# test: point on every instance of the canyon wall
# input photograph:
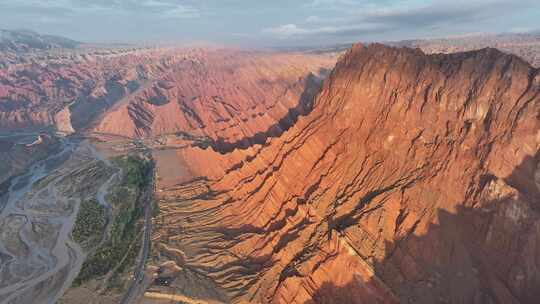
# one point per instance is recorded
(223, 96)
(54, 93)
(217, 95)
(414, 179)
(402, 178)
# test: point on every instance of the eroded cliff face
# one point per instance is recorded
(69, 93)
(223, 97)
(18, 152)
(415, 179)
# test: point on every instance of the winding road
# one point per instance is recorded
(138, 275)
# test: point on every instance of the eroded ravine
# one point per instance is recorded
(411, 174)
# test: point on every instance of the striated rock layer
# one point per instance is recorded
(67, 94)
(222, 96)
(524, 45)
(415, 179)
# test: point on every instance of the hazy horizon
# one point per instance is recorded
(277, 23)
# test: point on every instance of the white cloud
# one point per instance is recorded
(286, 31)
(314, 19)
(151, 8)
(370, 19)
(155, 3)
(181, 11)
(293, 30)
(51, 20)
(332, 3)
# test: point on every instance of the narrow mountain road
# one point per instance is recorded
(139, 273)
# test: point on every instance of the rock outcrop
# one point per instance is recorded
(402, 178)
(22, 41)
(524, 45)
(218, 95)
(227, 98)
(33, 94)
(414, 179)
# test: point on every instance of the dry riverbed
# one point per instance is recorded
(38, 258)
(111, 236)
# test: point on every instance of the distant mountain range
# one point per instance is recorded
(401, 177)
(22, 41)
(524, 45)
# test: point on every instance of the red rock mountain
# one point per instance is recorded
(68, 93)
(224, 95)
(217, 94)
(402, 178)
(414, 179)
(524, 45)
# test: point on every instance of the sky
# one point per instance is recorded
(267, 22)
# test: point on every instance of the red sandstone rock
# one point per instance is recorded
(413, 180)
(226, 95)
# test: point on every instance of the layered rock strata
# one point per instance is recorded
(414, 179)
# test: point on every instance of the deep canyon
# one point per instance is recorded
(380, 174)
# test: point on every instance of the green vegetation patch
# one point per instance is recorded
(127, 202)
(89, 225)
(137, 171)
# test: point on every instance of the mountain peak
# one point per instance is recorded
(23, 40)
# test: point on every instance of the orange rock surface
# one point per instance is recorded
(218, 94)
(402, 178)
(221, 95)
(415, 179)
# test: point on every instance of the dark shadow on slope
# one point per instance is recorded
(523, 179)
(354, 292)
(86, 108)
(312, 87)
(485, 254)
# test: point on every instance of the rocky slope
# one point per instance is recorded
(524, 45)
(224, 96)
(56, 92)
(24, 46)
(218, 94)
(21, 41)
(414, 179)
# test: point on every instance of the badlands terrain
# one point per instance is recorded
(524, 45)
(376, 174)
